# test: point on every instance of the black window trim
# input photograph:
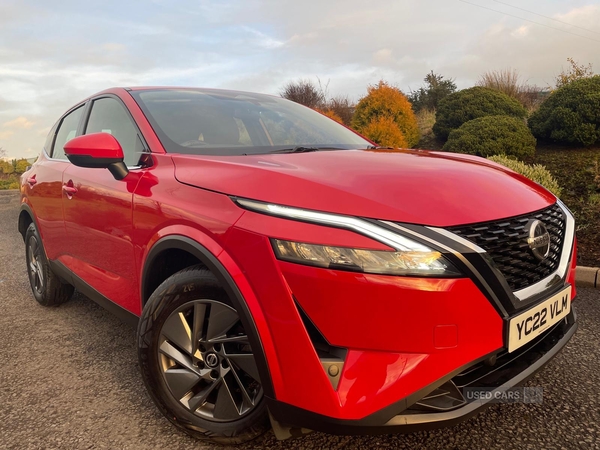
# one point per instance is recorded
(58, 124)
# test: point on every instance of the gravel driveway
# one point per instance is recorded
(69, 379)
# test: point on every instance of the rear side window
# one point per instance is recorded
(49, 139)
(109, 116)
(66, 131)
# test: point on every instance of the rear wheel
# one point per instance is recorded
(197, 362)
(48, 289)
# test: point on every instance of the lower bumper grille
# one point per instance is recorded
(449, 396)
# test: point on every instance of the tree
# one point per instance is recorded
(304, 92)
(342, 107)
(331, 114)
(575, 72)
(381, 101)
(21, 165)
(2, 152)
(7, 167)
(435, 89)
(385, 132)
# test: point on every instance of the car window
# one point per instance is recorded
(214, 122)
(50, 139)
(66, 131)
(109, 116)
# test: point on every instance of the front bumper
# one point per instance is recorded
(508, 371)
(401, 338)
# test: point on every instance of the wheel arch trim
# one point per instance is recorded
(27, 209)
(238, 289)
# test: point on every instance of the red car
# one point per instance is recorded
(283, 270)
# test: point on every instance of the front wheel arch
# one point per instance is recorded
(206, 258)
(26, 218)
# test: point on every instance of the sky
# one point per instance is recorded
(56, 53)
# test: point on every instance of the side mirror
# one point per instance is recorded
(97, 151)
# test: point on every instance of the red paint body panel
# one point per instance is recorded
(98, 145)
(370, 309)
(101, 212)
(401, 333)
(428, 188)
(45, 200)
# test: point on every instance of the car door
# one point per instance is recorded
(98, 210)
(44, 183)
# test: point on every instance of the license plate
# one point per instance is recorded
(533, 322)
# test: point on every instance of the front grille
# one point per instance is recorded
(506, 242)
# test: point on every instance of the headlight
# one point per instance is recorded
(409, 258)
(418, 262)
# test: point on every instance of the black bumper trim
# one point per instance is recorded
(407, 423)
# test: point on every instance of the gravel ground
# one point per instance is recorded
(69, 380)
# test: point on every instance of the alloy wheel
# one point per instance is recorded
(36, 272)
(207, 362)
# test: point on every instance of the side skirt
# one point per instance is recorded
(63, 272)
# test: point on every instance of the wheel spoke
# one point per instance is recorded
(180, 381)
(180, 358)
(248, 402)
(177, 330)
(198, 400)
(242, 339)
(225, 406)
(190, 338)
(245, 362)
(40, 273)
(198, 325)
(221, 319)
(33, 245)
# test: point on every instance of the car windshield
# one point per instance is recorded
(215, 122)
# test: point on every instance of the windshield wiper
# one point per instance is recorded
(304, 149)
(373, 147)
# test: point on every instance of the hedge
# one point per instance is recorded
(473, 103)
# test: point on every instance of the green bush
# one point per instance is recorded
(383, 100)
(493, 135)
(473, 103)
(535, 172)
(571, 114)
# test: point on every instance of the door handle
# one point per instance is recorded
(69, 190)
(31, 180)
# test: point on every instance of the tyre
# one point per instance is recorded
(48, 289)
(196, 360)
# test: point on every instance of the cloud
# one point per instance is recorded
(55, 55)
(19, 122)
(538, 53)
(6, 134)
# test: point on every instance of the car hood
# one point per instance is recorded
(411, 186)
